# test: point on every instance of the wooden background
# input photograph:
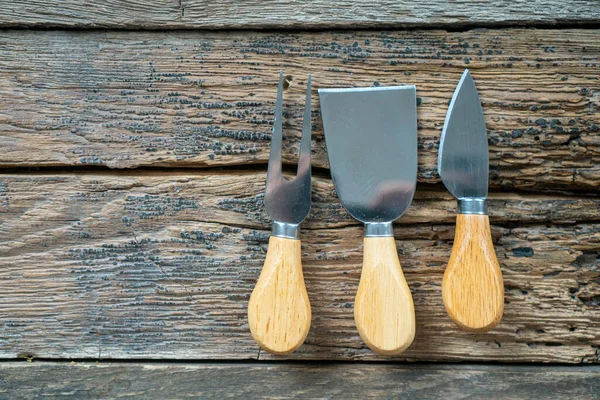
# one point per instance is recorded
(134, 137)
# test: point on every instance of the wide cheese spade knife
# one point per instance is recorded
(472, 287)
(371, 137)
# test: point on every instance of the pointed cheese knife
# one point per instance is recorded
(472, 288)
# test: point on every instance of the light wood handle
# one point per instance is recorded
(472, 289)
(384, 311)
(279, 311)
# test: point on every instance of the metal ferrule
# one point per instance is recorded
(379, 229)
(285, 230)
(472, 206)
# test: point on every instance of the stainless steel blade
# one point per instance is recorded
(463, 159)
(371, 137)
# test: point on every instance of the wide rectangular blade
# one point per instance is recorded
(371, 137)
(463, 159)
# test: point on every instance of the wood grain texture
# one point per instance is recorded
(279, 310)
(161, 265)
(186, 14)
(197, 99)
(383, 310)
(472, 288)
(286, 381)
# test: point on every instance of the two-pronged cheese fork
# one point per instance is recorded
(279, 310)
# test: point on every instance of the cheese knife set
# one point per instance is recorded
(371, 139)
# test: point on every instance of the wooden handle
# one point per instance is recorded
(384, 311)
(472, 288)
(279, 311)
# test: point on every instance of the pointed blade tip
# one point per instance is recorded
(465, 77)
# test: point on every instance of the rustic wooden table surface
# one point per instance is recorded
(134, 137)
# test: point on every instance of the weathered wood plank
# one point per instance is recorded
(320, 14)
(138, 265)
(292, 381)
(128, 99)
